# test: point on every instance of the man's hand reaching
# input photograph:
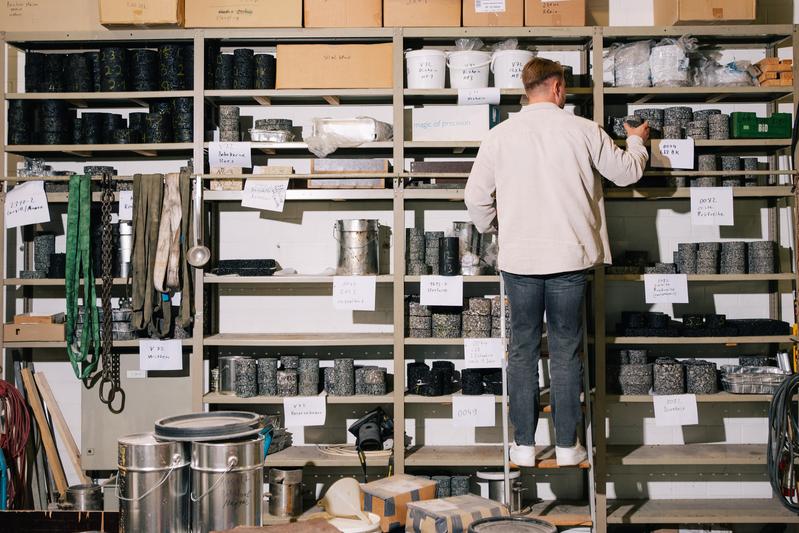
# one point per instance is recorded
(641, 131)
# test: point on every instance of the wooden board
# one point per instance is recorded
(73, 452)
(688, 454)
(699, 511)
(562, 514)
(44, 429)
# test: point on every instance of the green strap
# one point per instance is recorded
(79, 264)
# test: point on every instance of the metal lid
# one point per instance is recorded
(511, 524)
(143, 452)
(498, 476)
(214, 426)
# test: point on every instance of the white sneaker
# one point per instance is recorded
(571, 456)
(522, 455)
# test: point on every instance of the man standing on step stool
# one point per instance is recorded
(534, 177)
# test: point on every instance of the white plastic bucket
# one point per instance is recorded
(468, 69)
(507, 66)
(426, 68)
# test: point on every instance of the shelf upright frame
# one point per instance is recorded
(4, 49)
(196, 366)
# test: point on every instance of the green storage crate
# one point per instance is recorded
(751, 126)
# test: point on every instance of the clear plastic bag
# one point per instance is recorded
(609, 65)
(507, 44)
(708, 72)
(468, 44)
(669, 62)
(631, 65)
(331, 134)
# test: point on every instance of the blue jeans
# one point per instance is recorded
(561, 296)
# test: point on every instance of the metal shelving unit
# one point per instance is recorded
(596, 511)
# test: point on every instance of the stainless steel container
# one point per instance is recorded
(227, 481)
(227, 373)
(469, 238)
(85, 497)
(358, 247)
(153, 485)
(285, 487)
(496, 488)
(125, 250)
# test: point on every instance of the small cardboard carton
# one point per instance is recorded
(493, 12)
(554, 13)
(238, 14)
(672, 12)
(33, 332)
(334, 66)
(421, 13)
(389, 497)
(141, 12)
(50, 15)
(343, 13)
(453, 515)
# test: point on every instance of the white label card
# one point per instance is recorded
(712, 206)
(488, 95)
(666, 288)
(489, 6)
(305, 411)
(441, 290)
(229, 154)
(483, 353)
(676, 410)
(673, 153)
(26, 204)
(474, 411)
(354, 293)
(269, 195)
(160, 355)
(136, 374)
(125, 205)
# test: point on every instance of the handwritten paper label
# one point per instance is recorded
(666, 288)
(488, 95)
(489, 6)
(136, 374)
(26, 204)
(269, 195)
(160, 355)
(441, 290)
(474, 411)
(125, 205)
(177, 298)
(673, 153)
(676, 410)
(711, 206)
(483, 353)
(229, 154)
(304, 411)
(354, 293)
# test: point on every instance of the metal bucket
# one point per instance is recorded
(511, 524)
(85, 497)
(285, 498)
(358, 247)
(153, 485)
(496, 488)
(469, 238)
(227, 481)
(227, 373)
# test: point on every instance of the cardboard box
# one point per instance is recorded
(554, 12)
(33, 332)
(343, 13)
(453, 515)
(389, 497)
(452, 123)
(427, 13)
(348, 166)
(141, 12)
(671, 12)
(334, 66)
(493, 12)
(50, 15)
(30, 318)
(238, 14)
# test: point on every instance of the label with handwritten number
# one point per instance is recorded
(125, 205)
(487, 95)
(483, 353)
(160, 355)
(304, 411)
(269, 195)
(230, 154)
(26, 204)
(673, 153)
(474, 411)
(675, 410)
(666, 288)
(712, 206)
(354, 293)
(441, 290)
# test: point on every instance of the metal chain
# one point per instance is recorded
(110, 360)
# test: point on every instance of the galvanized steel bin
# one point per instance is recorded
(358, 247)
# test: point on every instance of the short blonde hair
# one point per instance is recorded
(538, 70)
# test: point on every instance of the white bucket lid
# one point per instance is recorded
(422, 52)
(498, 476)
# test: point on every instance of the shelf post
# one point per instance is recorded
(196, 367)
